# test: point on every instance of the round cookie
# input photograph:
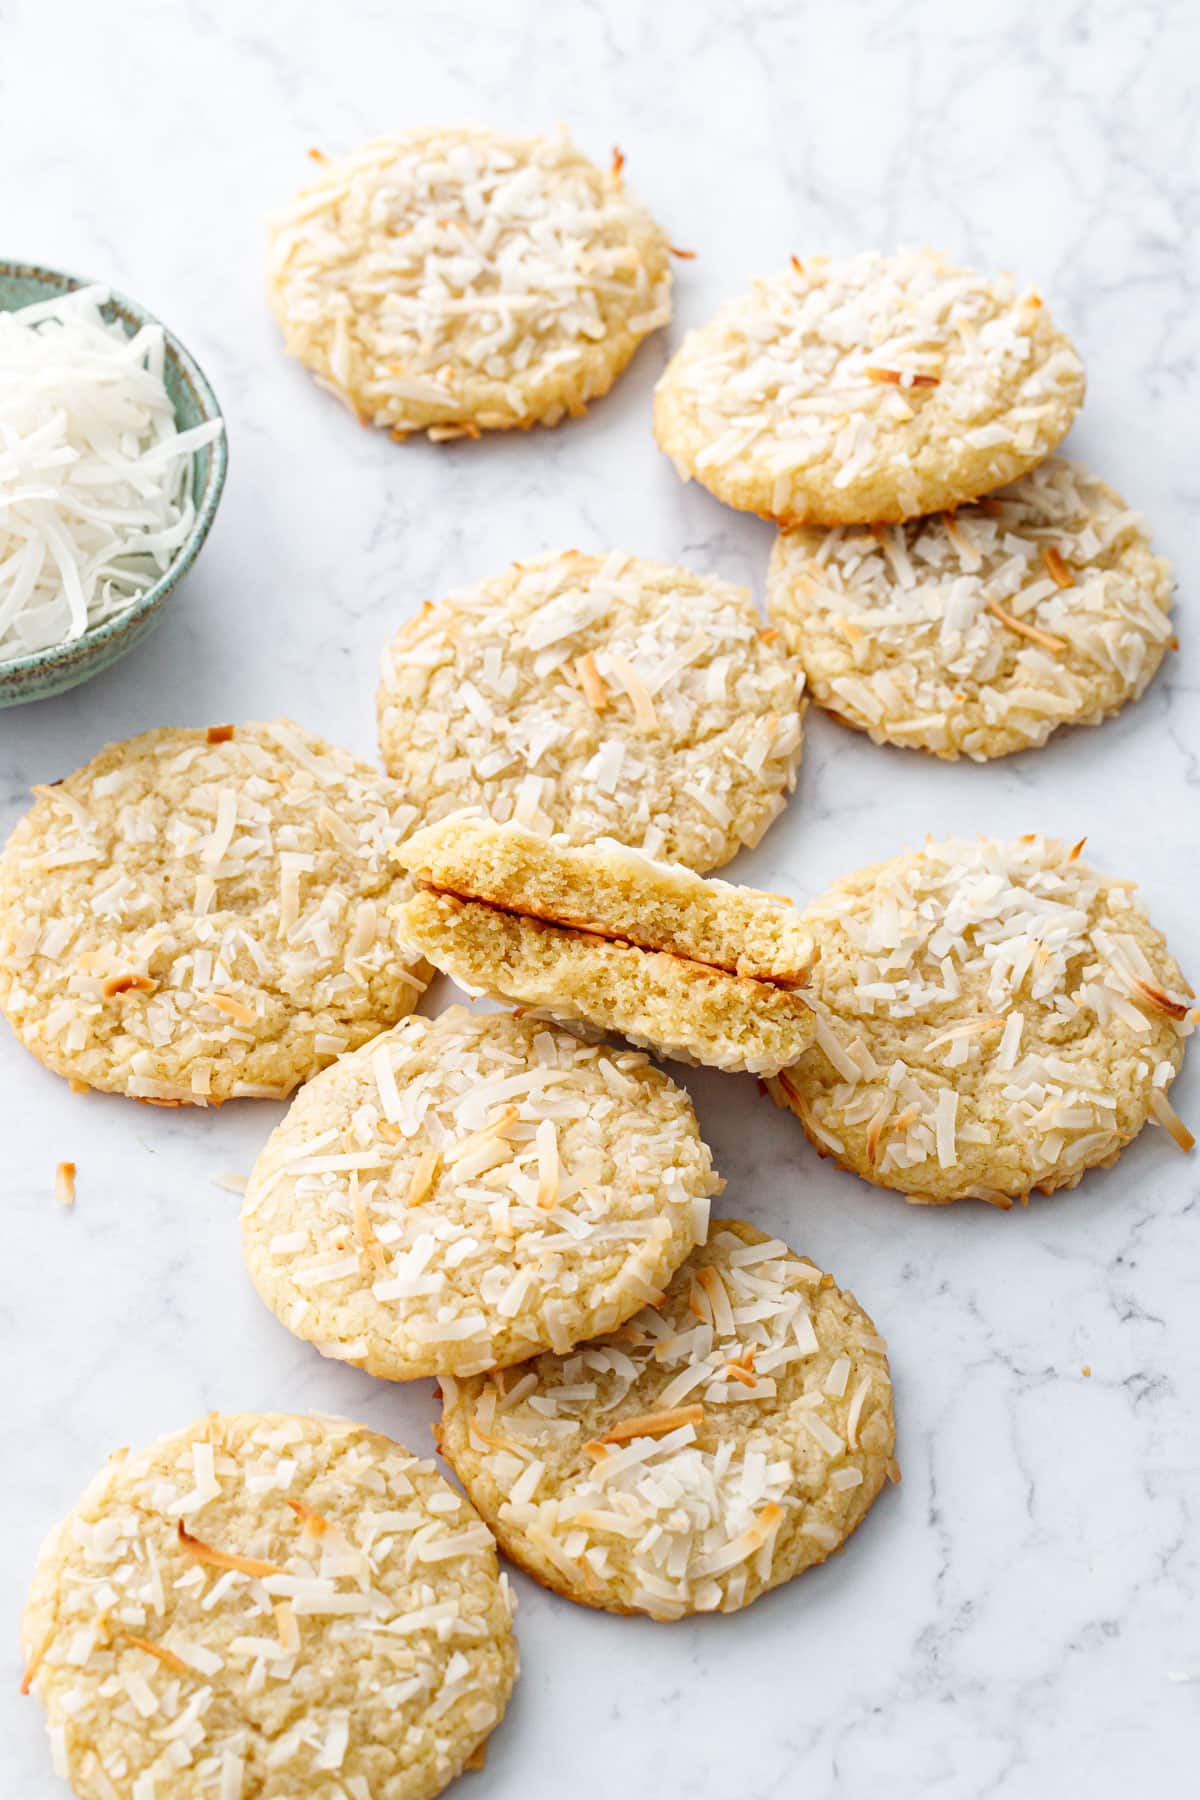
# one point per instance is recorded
(597, 697)
(268, 1604)
(718, 1445)
(876, 388)
(980, 632)
(470, 1189)
(199, 916)
(991, 1018)
(459, 281)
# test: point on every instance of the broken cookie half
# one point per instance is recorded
(603, 936)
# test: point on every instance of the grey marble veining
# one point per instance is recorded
(1008, 1620)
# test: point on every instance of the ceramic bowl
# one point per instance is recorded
(62, 666)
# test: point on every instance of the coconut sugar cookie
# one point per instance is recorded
(876, 388)
(458, 281)
(992, 1018)
(201, 915)
(603, 937)
(713, 1448)
(980, 632)
(471, 1189)
(268, 1604)
(597, 696)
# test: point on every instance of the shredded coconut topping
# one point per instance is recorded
(951, 632)
(456, 280)
(469, 1190)
(266, 1652)
(597, 696)
(144, 944)
(685, 1462)
(986, 1024)
(95, 476)
(877, 387)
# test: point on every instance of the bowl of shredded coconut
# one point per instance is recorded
(112, 461)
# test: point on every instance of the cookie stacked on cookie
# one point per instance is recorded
(655, 1413)
(942, 585)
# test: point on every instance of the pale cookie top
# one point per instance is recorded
(454, 281)
(597, 696)
(713, 1448)
(991, 1018)
(268, 1604)
(980, 632)
(199, 916)
(875, 388)
(468, 1190)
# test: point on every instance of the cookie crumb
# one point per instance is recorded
(64, 1184)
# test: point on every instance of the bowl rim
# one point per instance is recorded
(63, 655)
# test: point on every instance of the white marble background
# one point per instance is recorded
(1009, 1620)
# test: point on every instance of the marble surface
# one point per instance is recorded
(1012, 1620)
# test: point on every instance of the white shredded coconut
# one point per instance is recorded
(95, 476)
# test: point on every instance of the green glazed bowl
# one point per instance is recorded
(63, 666)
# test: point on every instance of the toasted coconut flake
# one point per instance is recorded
(232, 1008)
(35, 1662)
(742, 1369)
(314, 1522)
(123, 984)
(500, 1126)
(371, 1247)
(594, 690)
(223, 1559)
(901, 378)
(477, 1759)
(64, 1184)
(219, 734)
(168, 1657)
(766, 1523)
(683, 255)
(1076, 850)
(423, 1177)
(644, 715)
(1170, 1120)
(1159, 1001)
(718, 1298)
(1056, 568)
(546, 1141)
(879, 1119)
(652, 1424)
(618, 162)
(969, 556)
(1034, 632)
